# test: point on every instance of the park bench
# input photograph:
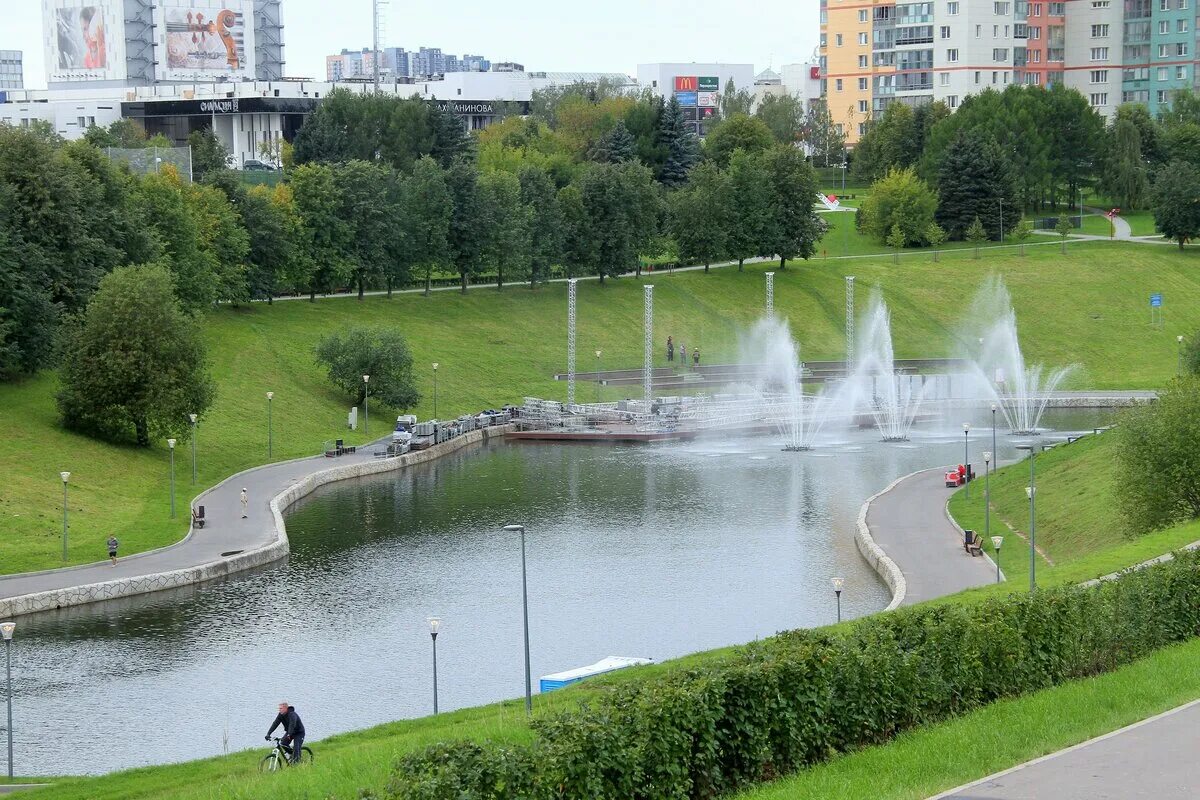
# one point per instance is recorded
(198, 517)
(971, 543)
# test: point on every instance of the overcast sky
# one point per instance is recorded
(601, 36)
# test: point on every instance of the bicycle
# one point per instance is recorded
(281, 756)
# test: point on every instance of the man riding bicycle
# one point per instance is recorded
(293, 729)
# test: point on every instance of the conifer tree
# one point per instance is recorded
(975, 182)
(681, 145)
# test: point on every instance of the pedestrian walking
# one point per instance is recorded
(683, 354)
(670, 349)
(112, 549)
(696, 358)
(245, 502)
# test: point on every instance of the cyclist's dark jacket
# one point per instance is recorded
(291, 723)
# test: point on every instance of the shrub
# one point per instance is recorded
(1158, 472)
(382, 354)
(899, 199)
(797, 698)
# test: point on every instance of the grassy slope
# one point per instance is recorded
(495, 347)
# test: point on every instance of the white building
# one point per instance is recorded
(697, 87)
(12, 75)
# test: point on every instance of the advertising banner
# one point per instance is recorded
(709, 84)
(206, 39)
(85, 41)
(707, 112)
(707, 99)
(686, 98)
(689, 114)
(686, 83)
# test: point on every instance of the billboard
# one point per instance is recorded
(686, 98)
(689, 114)
(84, 40)
(686, 83)
(205, 39)
(707, 112)
(708, 84)
(707, 99)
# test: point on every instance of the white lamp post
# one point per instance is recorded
(65, 477)
(6, 630)
(1179, 357)
(171, 447)
(366, 405)
(994, 450)
(270, 437)
(599, 368)
(435, 366)
(525, 608)
(987, 492)
(435, 624)
(838, 583)
(996, 542)
(193, 418)
(967, 459)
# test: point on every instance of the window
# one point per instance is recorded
(1037, 9)
(1099, 98)
(1005, 31)
(841, 129)
(1163, 95)
(1099, 31)
(1001, 9)
(995, 31)
(824, 43)
(1099, 76)
(952, 101)
(1180, 75)
(1164, 51)
(1181, 26)
(945, 31)
(1006, 74)
(862, 129)
(1099, 3)
(862, 62)
(862, 84)
(838, 84)
(1164, 5)
(1000, 55)
(91, 122)
(1161, 73)
(977, 78)
(1035, 32)
(837, 40)
(81, 122)
(952, 9)
(995, 77)
(1099, 54)
(1037, 56)
(1181, 49)
(862, 106)
(1183, 4)
(978, 31)
(952, 55)
(862, 37)
(1057, 9)
(1164, 26)
(862, 15)
(945, 78)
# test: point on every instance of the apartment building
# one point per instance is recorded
(1111, 51)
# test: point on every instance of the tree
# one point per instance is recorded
(936, 236)
(1191, 354)
(679, 143)
(381, 353)
(545, 222)
(273, 231)
(506, 230)
(166, 211)
(467, 221)
(900, 199)
(783, 115)
(976, 235)
(734, 101)
(427, 214)
(794, 229)
(615, 146)
(748, 207)
(222, 240)
(975, 182)
(1124, 177)
(28, 317)
(895, 240)
(1177, 202)
(369, 212)
(325, 236)
(576, 241)
(893, 141)
(1182, 142)
(737, 132)
(822, 137)
(451, 141)
(208, 154)
(1022, 232)
(1064, 229)
(615, 220)
(136, 362)
(124, 133)
(700, 215)
(1157, 475)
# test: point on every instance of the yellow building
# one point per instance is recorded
(850, 68)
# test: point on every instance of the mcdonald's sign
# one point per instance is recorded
(686, 83)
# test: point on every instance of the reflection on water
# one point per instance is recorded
(649, 551)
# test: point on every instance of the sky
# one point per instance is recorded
(608, 36)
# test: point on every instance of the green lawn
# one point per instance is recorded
(496, 347)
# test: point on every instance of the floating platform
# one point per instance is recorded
(607, 435)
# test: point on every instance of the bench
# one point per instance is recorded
(198, 517)
(971, 543)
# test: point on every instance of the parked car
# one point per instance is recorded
(254, 165)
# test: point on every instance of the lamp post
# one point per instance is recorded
(838, 583)
(1179, 356)
(525, 611)
(1001, 220)
(6, 630)
(435, 365)
(987, 492)
(171, 447)
(994, 428)
(65, 477)
(270, 437)
(366, 405)
(599, 368)
(1031, 493)
(967, 460)
(193, 418)
(435, 624)
(996, 542)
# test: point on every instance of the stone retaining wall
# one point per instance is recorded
(880, 561)
(144, 584)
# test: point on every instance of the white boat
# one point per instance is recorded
(557, 680)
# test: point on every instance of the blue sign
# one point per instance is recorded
(1156, 300)
(687, 98)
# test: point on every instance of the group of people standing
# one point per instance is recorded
(683, 353)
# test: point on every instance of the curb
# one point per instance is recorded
(874, 555)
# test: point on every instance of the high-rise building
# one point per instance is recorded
(12, 75)
(1111, 51)
(398, 62)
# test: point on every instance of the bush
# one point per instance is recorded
(1158, 473)
(799, 697)
(382, 354)
(899, 199)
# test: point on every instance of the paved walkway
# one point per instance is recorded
(1154, 759)
(909, 522)
(225, 532)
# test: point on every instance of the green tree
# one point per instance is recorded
(1182, 142)
(1064, 229)
(369, 212)
(700, 215)
(1124, 177)
(794, 228)
(576, 239)
(899, 199)
(1177, 202)
(738, 132)
(1022, 232)
(136, 363)
(749, 207)
(680, 145)
(619, 217)
(427, 214)
(506, 230)
(976, 235)
(124, 133)
(976, 182)
(783, 115)
(173, 220)
(273, 232)
(382, 353)
(614, 147)
(734, 101)
(545, 222)
(468, 223)
(643, 121)
(28, 317)
(936, 236)
(208, 154)
(891, 142)
(895, 240)
(821, 136)
(325, 236)
(1157, 475)
(223, 241)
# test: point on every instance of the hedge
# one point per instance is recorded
(803, 696)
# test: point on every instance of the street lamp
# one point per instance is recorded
(996, 542)
(599, 368)
(366, 406)
(967, 460)
(193, 418)
(435, 365)
(171, 447)
(838, 583)
(270, 437)
(994, 427)
(1031, 493)
(525, 609)
(6, 630)
(987, 492)
(65, 477)
(1179, 356)
(435, 624)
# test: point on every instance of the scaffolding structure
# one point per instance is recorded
(648, 365)
(770, 294)
(849, 324)
(571, 342)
